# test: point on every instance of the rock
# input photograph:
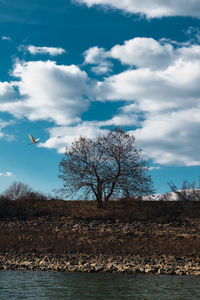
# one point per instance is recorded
(161, 271)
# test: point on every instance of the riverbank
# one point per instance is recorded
(89, 263)
(68, 245)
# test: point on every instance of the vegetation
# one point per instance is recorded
(35, 224)
(187, 191)
(125, 210)
(19, 201)
(60, 237)
(109, 166)
(111, 169)
(17, 190)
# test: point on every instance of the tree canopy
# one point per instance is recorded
(105, 167)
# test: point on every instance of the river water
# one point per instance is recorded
(83, 286)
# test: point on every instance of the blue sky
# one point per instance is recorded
(71, 68)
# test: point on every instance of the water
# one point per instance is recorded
(82, 286)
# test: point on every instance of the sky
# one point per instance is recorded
(81, 67)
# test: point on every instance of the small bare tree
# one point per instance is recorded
(17, 190)
(187, 192)
(105, 167)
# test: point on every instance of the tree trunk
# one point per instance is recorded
(99, 201)
(99, 194)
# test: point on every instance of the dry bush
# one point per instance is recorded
(17, 190)
(187, 192)
(33, 196)
(156, 211)
(26, 206)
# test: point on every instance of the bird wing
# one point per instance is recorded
(31, 138)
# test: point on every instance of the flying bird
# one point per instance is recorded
(33, 141)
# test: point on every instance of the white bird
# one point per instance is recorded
(33, 141)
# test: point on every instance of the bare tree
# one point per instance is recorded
(17, 190)
(187, 192)
(105, 167)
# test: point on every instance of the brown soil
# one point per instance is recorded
(62, 236)
(71, 231)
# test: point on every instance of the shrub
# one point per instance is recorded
(17, 190)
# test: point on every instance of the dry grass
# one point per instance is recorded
(50, 236)
(38, 205)
(37, 225)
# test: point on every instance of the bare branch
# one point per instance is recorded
(107, 166)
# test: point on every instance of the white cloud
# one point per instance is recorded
(48, 91)
(193, 33)
(7, 91)
(60, 137)
(6, 38)
(160, 87)
(162, 82)
(164, 100)
(172, 138)
(98, 57)
(120, 120)
(154, 168)
(4, 124)
(7, 174)
(163, 92)
(143, 52)
(52, 51)
(127, 116)
(153, 8)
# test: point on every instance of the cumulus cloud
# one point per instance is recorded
(164, 98)
(52, 51)
(162, 80)
(127, 116)
(160, 89)
(98, 57)
(60, 137)
(143, 52)
(171, 138)
(151, 9)
(48, 91)
(7, 91)
(177, 86)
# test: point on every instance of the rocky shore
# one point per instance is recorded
(89, 263)
(65, 245)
